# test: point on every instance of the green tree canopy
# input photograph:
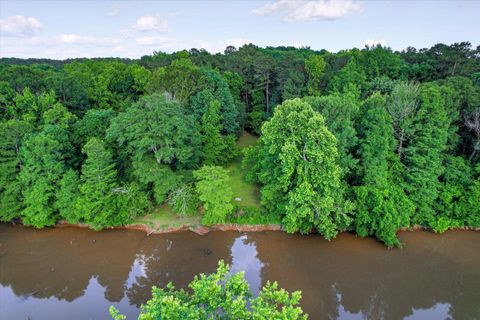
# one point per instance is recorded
(402, 105)
(11, 133)
(215, 193)
(220, 295)
(315, 66)
(213, 145)
(299, 170)
(340, 112)
(180, 80)
(382, 206)
(96, 203)
(425, 153)
(158, 126)
(66, 197)
(43, 158)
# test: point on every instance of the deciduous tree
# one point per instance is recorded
(314, 65)
(401, 105)
(215, 193)
(299, 170)
(220, 295)
(158, 126)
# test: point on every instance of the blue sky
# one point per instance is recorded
(62, 29)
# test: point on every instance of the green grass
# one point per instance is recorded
(162, 217)
(248, 193)
(246, 140)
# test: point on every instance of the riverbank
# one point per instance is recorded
(202, 229)
(198, 229)
(163, 220)
(422, 228)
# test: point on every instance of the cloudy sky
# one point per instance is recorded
(62, 29)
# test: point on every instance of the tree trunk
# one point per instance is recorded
(267, 91)
(400, 143)
(245, 98)
(454, 67)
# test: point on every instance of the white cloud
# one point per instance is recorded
(219, 46)
(162, 42)
(82, 40)
(20, 26)
(151, 23)
(374, 42)
(69, 46)
(305, 10)
(71, 40)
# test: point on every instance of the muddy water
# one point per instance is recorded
(73, 273)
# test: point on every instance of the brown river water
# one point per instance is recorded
(74, 273)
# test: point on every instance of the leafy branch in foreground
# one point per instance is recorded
(220, 295)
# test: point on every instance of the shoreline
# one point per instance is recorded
(198, 229)
(202, 230)
(417, 227)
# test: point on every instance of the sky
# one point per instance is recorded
(67, 29)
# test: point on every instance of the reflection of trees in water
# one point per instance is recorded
(346, 275)
(373, 281)
(60, 262)
(178, 258)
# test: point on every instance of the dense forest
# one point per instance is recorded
(371, 141)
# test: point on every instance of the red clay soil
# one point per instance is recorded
(417, 227)
(201, 230)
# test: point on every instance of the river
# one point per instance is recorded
(74, 273)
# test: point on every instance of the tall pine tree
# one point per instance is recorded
(11, 133)
(425, 153)
(382, 206)
(212, 141)
(96, 203)
(67, 196)
(43, 157)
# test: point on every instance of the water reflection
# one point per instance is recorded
(438, 311)
(77, 274)
(244, 258)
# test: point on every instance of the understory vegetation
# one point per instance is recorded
(370, 141)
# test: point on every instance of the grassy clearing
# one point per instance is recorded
(248, 193)
(246, 140)
(162, 217)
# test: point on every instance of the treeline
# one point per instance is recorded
(367, 140)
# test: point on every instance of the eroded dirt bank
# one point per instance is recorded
(197, 229)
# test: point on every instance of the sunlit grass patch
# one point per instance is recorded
(163, 217)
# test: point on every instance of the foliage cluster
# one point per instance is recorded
(366, 140)
(219, 295)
